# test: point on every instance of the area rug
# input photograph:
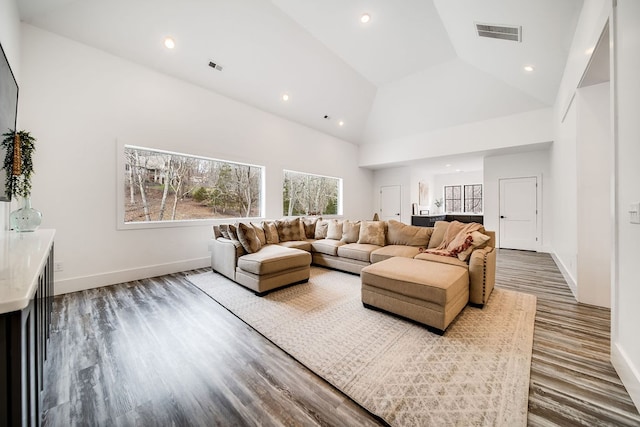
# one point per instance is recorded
(476, 374)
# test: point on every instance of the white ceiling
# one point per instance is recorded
(417, 65)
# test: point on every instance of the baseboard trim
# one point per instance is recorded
(93, 281)
(565, 273)
(627, 372)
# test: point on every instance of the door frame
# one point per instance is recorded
(539, 208)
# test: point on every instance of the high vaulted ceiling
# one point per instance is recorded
(418, 65)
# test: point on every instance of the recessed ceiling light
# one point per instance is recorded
(365, 18)
(285, 97)
(169, 43)
(458, 170)
(341, 123)
(528, 68)
(448, 165)
(589, 51)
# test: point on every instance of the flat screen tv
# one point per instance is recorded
(8, 109)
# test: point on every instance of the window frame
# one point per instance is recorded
(481, 198)
(121, 197)
(339, 201)
(452, 199)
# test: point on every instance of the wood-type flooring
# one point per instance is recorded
(160, 352)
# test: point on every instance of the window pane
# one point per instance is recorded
(163, 186)
(307, 194)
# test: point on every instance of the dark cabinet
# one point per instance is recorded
(24, 335)
(430, 221)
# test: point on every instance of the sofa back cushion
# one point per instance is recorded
(248, 238)
(372, 232)
(439, 229)
(290, 229)
(270, 232)
(334, 231)
(408, 235)
(350, 231)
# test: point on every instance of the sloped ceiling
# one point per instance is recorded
(417, 65)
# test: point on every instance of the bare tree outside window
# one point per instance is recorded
(307, 194)
(165, 186)
(452, 198)
(473, 198)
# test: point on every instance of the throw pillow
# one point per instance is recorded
(289, 230)
(224, 230)
(479, 240)
(321, 230)
(438, 234)
(248, 238)
(260, 233)
(350, 231)
(270, 232)
(233, 232)
(408, 235)
(310, 227)
(372, 233)
(334, 231)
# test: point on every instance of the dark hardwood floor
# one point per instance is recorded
(160, 352)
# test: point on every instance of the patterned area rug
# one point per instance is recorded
(476, 374)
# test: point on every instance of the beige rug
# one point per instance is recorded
(476, 374)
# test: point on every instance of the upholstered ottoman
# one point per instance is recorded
(428, 292)
(273, 267)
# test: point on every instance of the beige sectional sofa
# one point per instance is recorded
(271, 254)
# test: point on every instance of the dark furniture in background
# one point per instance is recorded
(430, 220)
(26, 302)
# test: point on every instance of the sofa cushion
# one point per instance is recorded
(260, 233)
(335, 229)
(393, 251)
(409, 235)
(303, 245)
(327, 246)
(357, 251)
(273, 259)
(309, 225)
(479, 240)
(439, 230)
(290, 229)
(321, 229)
(426, 256)
(233, 232)
(350, 231)
(248, 238)
(372, 233)
(224, 230)
(270, 232)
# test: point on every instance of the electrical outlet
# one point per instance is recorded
(58, 266)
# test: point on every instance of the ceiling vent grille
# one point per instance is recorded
(502, 32)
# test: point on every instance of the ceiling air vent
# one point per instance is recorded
(500, 32)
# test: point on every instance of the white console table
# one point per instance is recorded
(26, 301)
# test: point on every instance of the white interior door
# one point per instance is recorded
(390, 202)
(519, 213)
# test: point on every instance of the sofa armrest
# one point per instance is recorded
(482, 275)
(224, 256)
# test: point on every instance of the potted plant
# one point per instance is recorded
(18, 165)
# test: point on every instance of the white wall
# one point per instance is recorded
(515, 130)
(10, 40)
(78, 100)
(519, 165)
(593, 167)
(625, 316)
